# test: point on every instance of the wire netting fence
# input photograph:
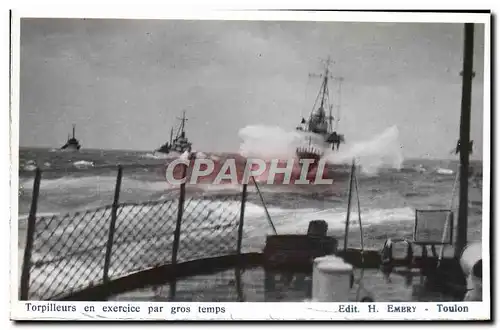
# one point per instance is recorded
(66, 253)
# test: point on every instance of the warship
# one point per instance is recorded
(319, 131)
(72, 144)
(180, 142)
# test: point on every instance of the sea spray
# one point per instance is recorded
(268, 142)
(383, 150)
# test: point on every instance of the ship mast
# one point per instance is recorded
(330, 118)
(74, 131)
(465, 145)
(183, 123)
(325, 84)
(339, 99)
(323, 92)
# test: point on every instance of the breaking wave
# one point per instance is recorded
(381, 151)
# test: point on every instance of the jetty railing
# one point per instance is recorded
(71, 252)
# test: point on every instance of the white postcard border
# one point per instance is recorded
(139, 12)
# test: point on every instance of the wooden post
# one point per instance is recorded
(242, 218)
(30, 235)
(348, 217)
(467, 75)
(112, 224)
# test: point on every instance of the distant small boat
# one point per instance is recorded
(72, 144)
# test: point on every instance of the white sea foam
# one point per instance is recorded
(157, 155)
(101, 182)
(381, 151)
(81, 164)
(297, 221)
(30, 167)
(444, 171)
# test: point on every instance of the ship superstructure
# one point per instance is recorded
(180, 142)
(72, 144)
(320, 130)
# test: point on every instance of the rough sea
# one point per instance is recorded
(388, 197)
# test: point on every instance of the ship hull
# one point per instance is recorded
(171, 151)
(70, 148)
(163, 151)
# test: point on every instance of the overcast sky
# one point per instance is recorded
(122, 82)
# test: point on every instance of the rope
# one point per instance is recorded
(265, 207)
(447, 223)
(349, 199)
(305, 97)
(362, 238)
(359, 217)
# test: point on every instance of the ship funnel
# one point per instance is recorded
(74, 131)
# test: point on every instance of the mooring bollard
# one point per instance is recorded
(471, 262)
(316, 276)
(331, 279)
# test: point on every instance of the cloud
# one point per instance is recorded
(124, 81)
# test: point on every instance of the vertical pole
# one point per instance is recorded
(237, 270)
(180, 211)
(467, 76)
(111, 232)
(238, 283)
(25, 274)
(177, 232)
(265, 207)
(242, 218)
(348, 217)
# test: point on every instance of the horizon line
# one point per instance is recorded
(236, 152)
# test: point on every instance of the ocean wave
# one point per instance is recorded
(336, 218)
(81, 164)
(411, 169)
(30, 167)
(444, 171)
(101, 182)
(288, 219)
(157, 155)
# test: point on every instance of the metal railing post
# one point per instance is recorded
(239, 283)
(237, 270)
(180, 211)
(242, 217)
(177, 232)
(111, 232)
(30, 233)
